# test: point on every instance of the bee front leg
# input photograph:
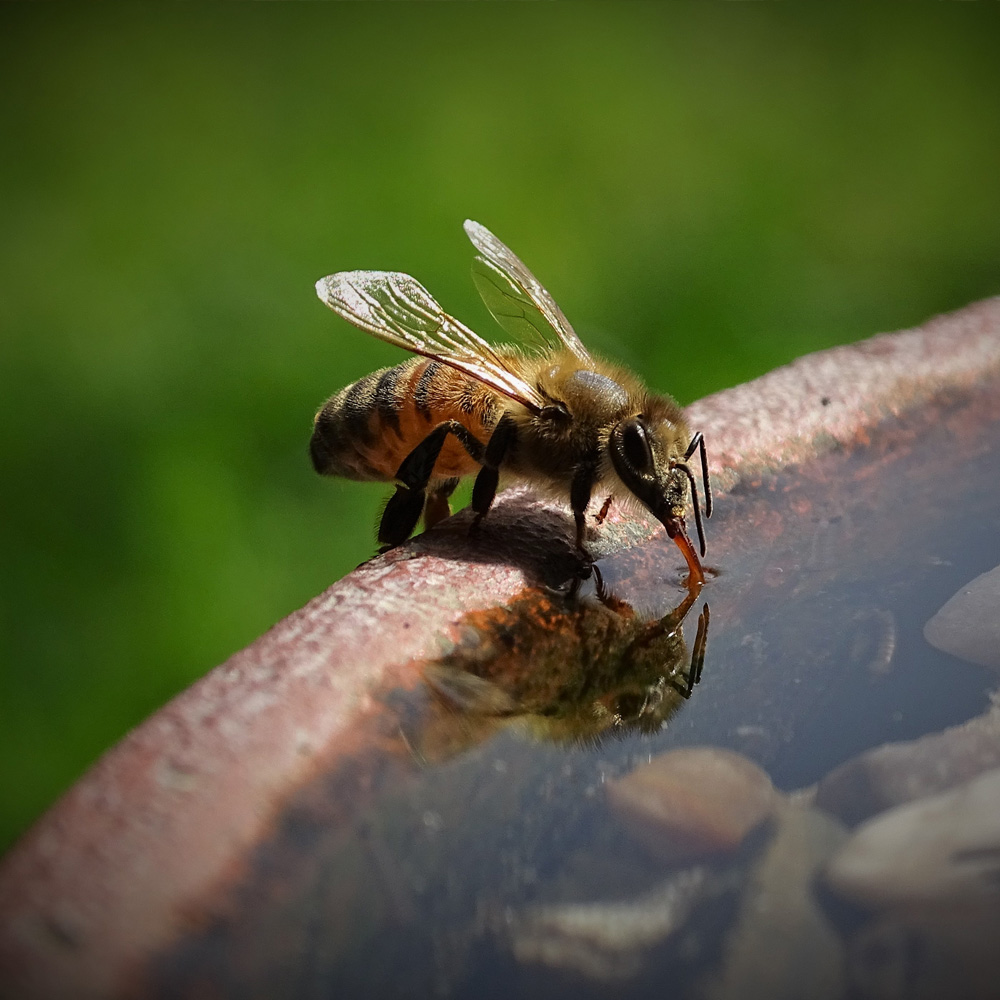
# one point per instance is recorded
(485, 488)
(580, 491)
(405, 506)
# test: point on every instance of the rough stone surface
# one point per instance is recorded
(940, 850)
(693, 802)
(968, 625)
(927, 954)
(783, 947)
(608, 941)
(895, 773)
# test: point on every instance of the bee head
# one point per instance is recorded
(642, 455)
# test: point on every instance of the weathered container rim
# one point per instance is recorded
(112, 873)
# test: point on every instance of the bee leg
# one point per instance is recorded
(404, 508)
(580, 491)
(400, 517)
(437, 507)
(485, 488)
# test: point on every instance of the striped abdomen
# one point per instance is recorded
(368, 428)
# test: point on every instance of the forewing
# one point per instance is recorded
(396, 308)
(515, 297)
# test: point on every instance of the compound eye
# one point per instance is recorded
(635, 444)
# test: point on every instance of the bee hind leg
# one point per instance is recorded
(405, 506)
(400, 517)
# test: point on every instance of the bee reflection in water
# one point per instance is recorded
(565, 671)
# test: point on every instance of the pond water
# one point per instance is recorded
(481, 854)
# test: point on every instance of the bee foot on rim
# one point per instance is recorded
(586, 568)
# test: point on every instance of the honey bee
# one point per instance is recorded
(545, 413)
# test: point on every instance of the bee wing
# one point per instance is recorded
(396, 308)
(515, 296)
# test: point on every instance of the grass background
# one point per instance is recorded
(708, 191)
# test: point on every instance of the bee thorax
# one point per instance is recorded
(584, 388)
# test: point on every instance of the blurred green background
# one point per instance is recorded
(708, 191)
